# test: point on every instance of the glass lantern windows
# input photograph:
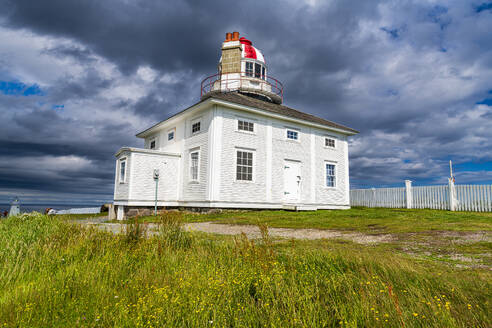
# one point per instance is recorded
(249, 69)
(255, 70)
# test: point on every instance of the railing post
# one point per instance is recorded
(408, 193)
(453, 202)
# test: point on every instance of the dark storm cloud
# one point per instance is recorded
(168, 36)
(166, 98)
(409, 76)
(63, 51)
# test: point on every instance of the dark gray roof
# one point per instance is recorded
(241, 99)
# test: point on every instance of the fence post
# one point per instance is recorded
(453, 202)
(408, 193)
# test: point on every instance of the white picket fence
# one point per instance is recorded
(380, 197)
(435, 197)
(476, 198)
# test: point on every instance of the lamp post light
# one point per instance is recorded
(156, 179)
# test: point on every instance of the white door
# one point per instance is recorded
(292, 181)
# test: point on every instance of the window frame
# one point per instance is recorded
(190, 166)
(153, 140)
(253, 164)
(334, 142)
(251, 71)
(193, 122)
(122, 161)
(173, 132)
(257, 70)
(334, 175)
(297, 134)
(248, 121)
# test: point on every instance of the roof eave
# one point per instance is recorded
(156, 126)
(145, 151)
(212, 100)
(348, 132)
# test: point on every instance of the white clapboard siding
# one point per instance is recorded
(476, 198)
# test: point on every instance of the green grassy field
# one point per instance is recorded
(57, 274)
(81, 216)
(371, 220)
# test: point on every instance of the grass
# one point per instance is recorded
(58, 274)
(370, 220)
(81, 216)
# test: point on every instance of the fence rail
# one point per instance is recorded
(475, 198)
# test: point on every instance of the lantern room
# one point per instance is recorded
(242, 68)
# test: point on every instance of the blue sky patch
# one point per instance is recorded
(393, 33)
(437, 15)
(473, 166)
(486, 101)
(15, 88)
(392, 92)
(484, 6)
(58, 107)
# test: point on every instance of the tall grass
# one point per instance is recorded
(57, 274)
(171, 233)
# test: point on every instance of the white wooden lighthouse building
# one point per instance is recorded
(238, 147)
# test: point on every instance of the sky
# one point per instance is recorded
(78, 80)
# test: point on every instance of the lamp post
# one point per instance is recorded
(156, 179)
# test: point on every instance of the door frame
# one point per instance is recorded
(286, 198)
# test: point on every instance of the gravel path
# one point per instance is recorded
(253, 232)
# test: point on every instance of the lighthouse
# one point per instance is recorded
(238, 147)
(15, 207)
(242, 68)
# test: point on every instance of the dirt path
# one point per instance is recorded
(427, 244)
(253, 232)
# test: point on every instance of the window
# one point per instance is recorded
(152, 144)
(330, 175)
(194, 159)
(257, 70)
(123, 170)
(170, 136)
(293, 135)
(244, 167)
(330, 142)
(245, 126)
(263, 75)
(249, 69)
(195, 127)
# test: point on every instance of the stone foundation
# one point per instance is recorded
(135, 211)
